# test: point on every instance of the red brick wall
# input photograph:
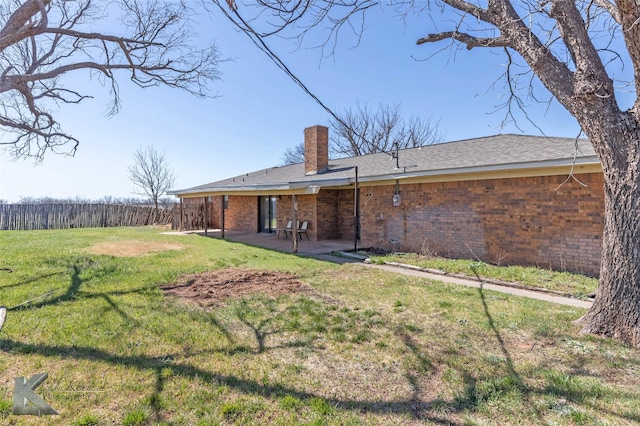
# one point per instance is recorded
(346, 223)
(283, 211)
(242, 214)
(527, 221)
(215, 212)
(327, 215)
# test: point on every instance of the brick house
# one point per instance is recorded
(512, 199)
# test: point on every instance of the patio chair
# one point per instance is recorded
(284, 231)
(303, 229)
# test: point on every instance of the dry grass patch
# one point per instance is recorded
(132, 248)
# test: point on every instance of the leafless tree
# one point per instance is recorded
(107, 199)
(580, 51)
(43, 40)
(167, 202)
(293, 155)
(363, 131)
(151, 174)
(53, 200)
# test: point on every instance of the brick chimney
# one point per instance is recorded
(316, 149)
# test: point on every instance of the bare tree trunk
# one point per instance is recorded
(616, 311)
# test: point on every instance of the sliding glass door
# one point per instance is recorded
(267, 214)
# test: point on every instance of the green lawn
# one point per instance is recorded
(362, 347)
(563, 282)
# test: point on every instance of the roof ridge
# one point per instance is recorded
(459, 141)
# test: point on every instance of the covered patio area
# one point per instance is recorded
(271, 241)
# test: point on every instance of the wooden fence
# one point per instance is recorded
(192, 216)
(64, 216)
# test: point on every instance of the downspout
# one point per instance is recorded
(356, 219)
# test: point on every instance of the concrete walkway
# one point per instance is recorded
(539, 295)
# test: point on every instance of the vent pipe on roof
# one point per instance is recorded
(316, 150)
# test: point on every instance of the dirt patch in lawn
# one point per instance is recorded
(214, 288)
(132, 248)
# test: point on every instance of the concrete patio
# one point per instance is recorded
(271, 241)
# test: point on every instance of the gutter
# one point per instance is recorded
(592, 160)
(298, 188)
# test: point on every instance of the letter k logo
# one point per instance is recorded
(24, 394)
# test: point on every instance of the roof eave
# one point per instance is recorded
(232, 188)
(561, 163)
(299, 187)
(312, 186)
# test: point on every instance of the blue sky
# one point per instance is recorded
(260, 112)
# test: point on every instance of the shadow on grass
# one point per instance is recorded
(114, 306)
(33, 280)
(425, 366)
(69, 294)
(43, 299)
(492, 387)
(296, 317)
(474, 395)
(564, 387)
(73, 291)
(195, 373)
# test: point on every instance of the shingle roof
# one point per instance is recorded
(500, 152)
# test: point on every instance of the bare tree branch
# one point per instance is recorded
(611, 8)
(362, 131)
(630, 19)
(293, 155)
(40, 41)
(590, 76)
(466, 39)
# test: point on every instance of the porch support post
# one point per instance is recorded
(294, 222)
(222, 215)
(206, 215)
(181, 214)
(356, 219)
